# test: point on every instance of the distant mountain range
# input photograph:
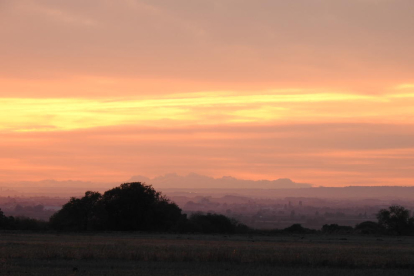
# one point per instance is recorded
(174, 184)
(52, 187)
(197, 181)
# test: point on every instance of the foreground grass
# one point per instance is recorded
(145, 254)
(114, 268)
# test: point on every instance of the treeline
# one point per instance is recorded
(135, 207)
(396, 220)
(22, 223)
(138, 207)
(129, 207)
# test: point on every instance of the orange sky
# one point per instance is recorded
(317, 91)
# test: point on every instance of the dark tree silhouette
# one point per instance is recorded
(129, 207)
(369, 227)
(212, 223)
(6, 222)
(136, 206)
(3, 220)
(298, 229)
(396, 220)
(337, 229)
(21, 223)
(79, 214)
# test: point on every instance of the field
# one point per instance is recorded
(168, 254)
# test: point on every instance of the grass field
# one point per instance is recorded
(167, 254)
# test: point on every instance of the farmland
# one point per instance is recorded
(173, 254)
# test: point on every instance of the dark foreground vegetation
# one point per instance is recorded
(132, 229)
(138, 207)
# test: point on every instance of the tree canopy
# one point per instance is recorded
(136, 206)
(129, 207)
(396, 220)
(79, 213)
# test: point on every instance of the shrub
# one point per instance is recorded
(396, 220)
(369, 227)
(337, 229)
(214, 223)
(298, 229)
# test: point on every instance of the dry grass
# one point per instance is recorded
(309, 251)
(124, 268)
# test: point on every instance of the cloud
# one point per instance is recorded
(227, 41)
(52, 114)
(322, 154)
(313, 90)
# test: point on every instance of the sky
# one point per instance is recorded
(318, 91)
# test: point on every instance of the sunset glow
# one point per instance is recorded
(104, 90)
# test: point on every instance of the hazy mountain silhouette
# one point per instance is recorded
(194, 180)
(279, 188)
(52, 187)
